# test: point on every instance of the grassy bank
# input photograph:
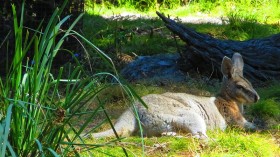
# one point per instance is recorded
(230, 143)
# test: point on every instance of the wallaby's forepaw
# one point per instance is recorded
(250, 126)
(173, 134)
(200, 135)
(168, 134)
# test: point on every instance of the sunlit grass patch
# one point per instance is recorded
(232, 142)
(264, 11)
(239, 143)
(153, 146)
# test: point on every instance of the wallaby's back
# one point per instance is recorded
(162, 111)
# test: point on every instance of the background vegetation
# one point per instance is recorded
(114, 27)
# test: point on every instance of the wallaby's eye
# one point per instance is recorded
(239, 86)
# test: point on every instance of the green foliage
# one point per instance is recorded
(271, 91)
(244, 28)
(142, 5)
(31, 114)
(269, 104)
(268, 107)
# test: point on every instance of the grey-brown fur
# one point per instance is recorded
(170, 112)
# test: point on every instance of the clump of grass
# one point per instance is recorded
(33, 114)
(244, 27)
(270, 91)
(268, 108)
(235, 142)
(35, 119)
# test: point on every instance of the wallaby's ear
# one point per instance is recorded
(227, 67)
(238, 64)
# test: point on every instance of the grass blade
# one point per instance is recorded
(7, 129)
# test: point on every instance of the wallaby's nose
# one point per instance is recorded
(257, 97)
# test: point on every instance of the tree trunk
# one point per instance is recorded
(205, 53)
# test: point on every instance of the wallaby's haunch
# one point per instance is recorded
(170, 112)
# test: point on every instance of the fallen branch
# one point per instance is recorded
(205, 53)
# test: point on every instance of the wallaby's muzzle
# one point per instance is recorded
(257, 98)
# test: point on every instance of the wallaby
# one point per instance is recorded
(171, 112)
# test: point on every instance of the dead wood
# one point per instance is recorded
(204, 53)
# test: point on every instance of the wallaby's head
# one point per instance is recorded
(235, 86)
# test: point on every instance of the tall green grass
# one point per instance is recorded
(38, 109)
